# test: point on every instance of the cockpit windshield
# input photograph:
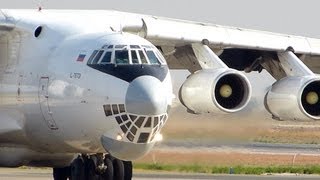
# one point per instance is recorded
(126, 54)
(152, 57)
(121, 57)
(106, 58)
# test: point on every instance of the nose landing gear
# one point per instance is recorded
(95, 167)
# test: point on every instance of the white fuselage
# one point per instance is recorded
(51, 101)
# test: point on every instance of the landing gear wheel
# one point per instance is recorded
(61, 173)
(127, 170)
(77, 169)
(90, 170)
(95, 167)
(108, 174)
(118, 169)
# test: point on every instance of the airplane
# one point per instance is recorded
(86, 92)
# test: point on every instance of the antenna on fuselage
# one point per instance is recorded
(39, 4)
(121, 30)
(122, 24)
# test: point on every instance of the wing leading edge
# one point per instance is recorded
(164, 31)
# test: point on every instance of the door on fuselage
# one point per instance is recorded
(44, 103)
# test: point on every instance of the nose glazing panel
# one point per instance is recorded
(136, 128)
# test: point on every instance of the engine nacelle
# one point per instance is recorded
(215, 91)
(295, 98)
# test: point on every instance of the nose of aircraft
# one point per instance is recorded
(146, 96)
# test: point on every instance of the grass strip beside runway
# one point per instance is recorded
(255, 170)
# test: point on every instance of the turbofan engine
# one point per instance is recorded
(295, 98)
(216, 90)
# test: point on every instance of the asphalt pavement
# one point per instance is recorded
(45, 174)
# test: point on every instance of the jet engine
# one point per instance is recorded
(294, 98)
(215, 90)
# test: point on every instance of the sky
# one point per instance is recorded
(284, 16)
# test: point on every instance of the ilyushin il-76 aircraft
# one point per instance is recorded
(88, 92)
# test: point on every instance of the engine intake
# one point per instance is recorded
(217, 90)
(229, 91)
(310, 98)
(295, 98)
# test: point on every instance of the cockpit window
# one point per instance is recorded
(146, 46)
(97, 58)
(121, 57)
(92, 56)
(160, 56)
(134, 47)
(134, 57)
(106, 58)
(126, 54)
(120, 46)
(143, 57)
(152, 57)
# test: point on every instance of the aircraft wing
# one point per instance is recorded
(174, 33)
(171, 31)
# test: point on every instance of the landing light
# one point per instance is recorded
(119, 137)
(158, 137)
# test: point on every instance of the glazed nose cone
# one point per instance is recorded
(146, 96)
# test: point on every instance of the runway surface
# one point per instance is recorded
(221, 177)
(172, 145)
(45, 174)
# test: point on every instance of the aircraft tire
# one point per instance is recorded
(118, 169)
(108, 174)
(77, 169)
(61, 173)
(90, 169)
(127, 170)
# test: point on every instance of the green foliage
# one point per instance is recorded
(257, 170)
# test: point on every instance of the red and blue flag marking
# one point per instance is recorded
(81, 57)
